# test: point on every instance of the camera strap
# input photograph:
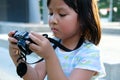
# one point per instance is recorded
(56, 43)
(22, 67)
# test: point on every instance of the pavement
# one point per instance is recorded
(109, 46)
(7, 68)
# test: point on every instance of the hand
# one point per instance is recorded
(42, 45)
(13, 48)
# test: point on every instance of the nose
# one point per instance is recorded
(53, 19)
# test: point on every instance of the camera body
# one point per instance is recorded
(22, 37)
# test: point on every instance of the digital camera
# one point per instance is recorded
(22, 37)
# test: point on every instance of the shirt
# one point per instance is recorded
(85, 57)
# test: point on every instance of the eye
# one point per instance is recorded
(50, 14)
(62, 15)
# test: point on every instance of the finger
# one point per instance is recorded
(10, 34)
(35, 39)
(12, 40)
(14, 46)
(34, 47)
(37, 35)
(17, 52)
(14, 52)
(28, 43)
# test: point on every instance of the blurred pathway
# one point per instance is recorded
(7, 68)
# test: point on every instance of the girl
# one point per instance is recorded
(76, 24)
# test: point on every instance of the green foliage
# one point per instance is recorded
(41, 7)
(116, 13)
(103, 3)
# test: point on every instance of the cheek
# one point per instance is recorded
(68, 30)
(70, 26)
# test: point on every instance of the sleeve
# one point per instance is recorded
(90, 60)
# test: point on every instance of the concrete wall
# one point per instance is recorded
(17, 11)
(112, 71)
(6, 27)
(26, 11)
(3, 10)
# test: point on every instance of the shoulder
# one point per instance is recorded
(89, 57)
(89, 45)
(89, 48)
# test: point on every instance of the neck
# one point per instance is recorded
(70, 43)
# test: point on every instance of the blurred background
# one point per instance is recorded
(32, 15)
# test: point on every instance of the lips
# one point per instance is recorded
(54, 29)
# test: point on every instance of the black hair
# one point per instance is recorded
(87, 11)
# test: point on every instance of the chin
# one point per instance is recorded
(57, 36)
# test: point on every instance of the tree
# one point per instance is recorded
(103, 6)
(116, 10)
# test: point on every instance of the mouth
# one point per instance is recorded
(54, 30)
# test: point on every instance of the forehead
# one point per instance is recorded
(57, 4)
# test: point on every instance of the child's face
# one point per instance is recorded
(63, 20)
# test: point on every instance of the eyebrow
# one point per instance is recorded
(59, 8)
